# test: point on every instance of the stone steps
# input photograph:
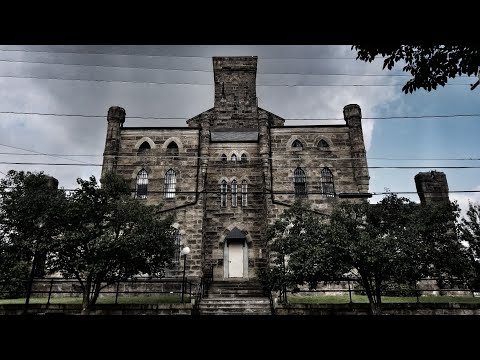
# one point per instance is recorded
(235, 297)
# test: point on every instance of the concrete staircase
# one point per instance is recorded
(235, 297)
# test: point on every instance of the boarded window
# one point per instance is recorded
(144, 148)
(297, 145)
(323, 145)
(172, 149)
(234, 157)
(223, 194)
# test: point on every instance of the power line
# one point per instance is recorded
(205, 84)
(253, 157)
(174, 56)
(201, 70)
(342, 167)
(286, 119)
(219, 192)
(36, 152)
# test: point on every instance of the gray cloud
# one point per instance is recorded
(66, 135)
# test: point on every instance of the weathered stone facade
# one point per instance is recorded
(236, 140)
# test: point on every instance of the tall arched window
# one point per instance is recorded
(234, 193)
(144, 148)
(172, 149)
(244, 193)
(141, 184)
(224, 158)
(234, 157)
(223, 194)
(323, 145)
(170, 184)
(297, 145)
(244, 158)
(177, 239)
(326, 179)
(299, 181)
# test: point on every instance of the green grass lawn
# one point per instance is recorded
(159, 299)
(342, 299)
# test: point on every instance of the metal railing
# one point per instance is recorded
(203, 287)
(349, 288)
(135, 287)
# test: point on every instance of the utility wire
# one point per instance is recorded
(219, 192)
(205, 84)
(40, 153)
(200, 70)
(174, 56)
(286, 119)
(342, 167)
(238, 161)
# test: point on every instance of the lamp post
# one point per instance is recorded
(185, 251)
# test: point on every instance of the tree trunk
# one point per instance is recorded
(86, 296)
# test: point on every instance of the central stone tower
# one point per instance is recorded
(235, 92)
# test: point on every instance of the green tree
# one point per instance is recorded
(31, 218)
(111, 237)
(445, 258)
(429, 65)
(470, 233)
(393, 243)
(376, 243)
(300, 251)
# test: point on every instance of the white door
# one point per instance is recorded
(235, 260)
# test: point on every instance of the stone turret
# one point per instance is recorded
(115, 119)
(353, 117)
(432, 187)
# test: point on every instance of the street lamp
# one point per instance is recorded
(185, 251)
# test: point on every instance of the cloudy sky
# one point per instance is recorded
(176, 83)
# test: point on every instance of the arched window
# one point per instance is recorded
(327, 182)
(297, 145)
(224, 158)
(223, 194)
(299, 182)
(177, 239)
(244, 193)
(144, 148)
(234, 157)
(323, 145)
(234, 193)
(170, 184)
(141, 184)
(172, 149)
(244, 158)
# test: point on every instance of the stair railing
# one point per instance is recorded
(202, 289)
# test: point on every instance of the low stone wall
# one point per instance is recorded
(387, 309)
(59, 309)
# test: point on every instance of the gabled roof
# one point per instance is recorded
(235, 234)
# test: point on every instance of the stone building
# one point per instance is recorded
(234, 168)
